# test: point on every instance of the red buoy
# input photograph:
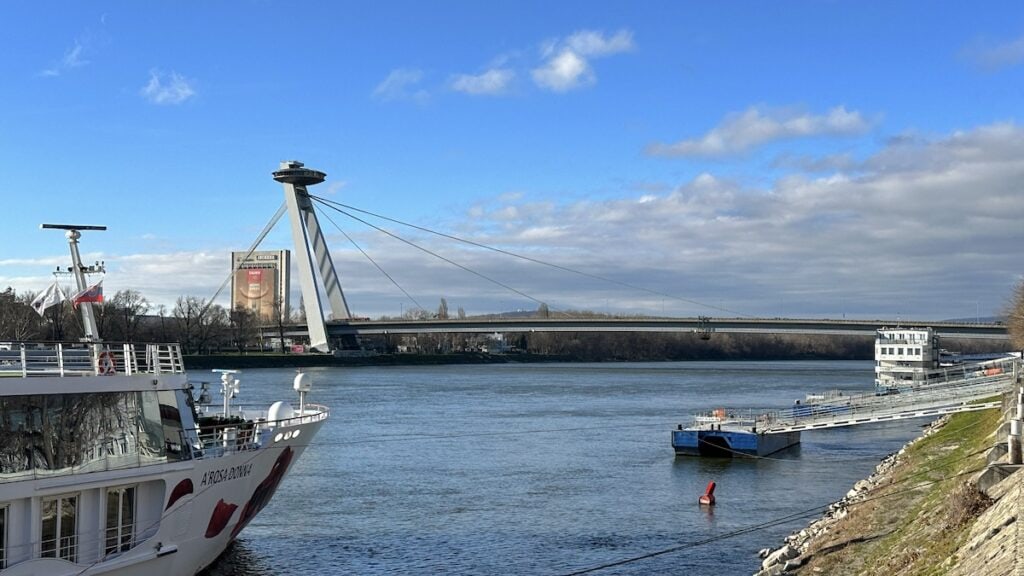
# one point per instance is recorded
(708, 497)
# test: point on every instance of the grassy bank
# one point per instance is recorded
(916, 518)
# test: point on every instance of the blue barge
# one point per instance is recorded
(719, 434)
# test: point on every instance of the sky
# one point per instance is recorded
(827, 159)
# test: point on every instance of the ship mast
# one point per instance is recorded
(73, 233)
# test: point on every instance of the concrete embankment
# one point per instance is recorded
(946, 503)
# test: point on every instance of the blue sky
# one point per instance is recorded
(778, 159)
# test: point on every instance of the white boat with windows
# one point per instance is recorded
(108, 467)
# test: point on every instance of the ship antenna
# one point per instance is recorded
(73, 232)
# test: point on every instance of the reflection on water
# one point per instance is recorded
(527, 469)
(240, 560)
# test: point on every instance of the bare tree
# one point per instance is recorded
(280, 319)
(1015, 317)
(18, 321)
(129, 306)
(442, 310)
(244, 326)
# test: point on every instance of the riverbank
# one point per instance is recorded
(933, 507)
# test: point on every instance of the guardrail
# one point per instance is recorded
(27, 359)
(920, 400)
(243, 430)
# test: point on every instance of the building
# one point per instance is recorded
(262, 282)
(907, 358)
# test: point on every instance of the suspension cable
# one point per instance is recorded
(237, 267)
(372, 261)
(430, 252)
(534, 260)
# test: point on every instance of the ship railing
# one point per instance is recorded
(27, 359)
(244, 429)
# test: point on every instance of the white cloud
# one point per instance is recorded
(567, 63)
(920, 229)
(167, 88)
(925, 228)
(996, 55)
(755, 126)
(73, 58)
(401, 84)
(593, 43)
(492, 82)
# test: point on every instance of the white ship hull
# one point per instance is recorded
(207, 503)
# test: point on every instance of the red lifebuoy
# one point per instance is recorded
(105, 365)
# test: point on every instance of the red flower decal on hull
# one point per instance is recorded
(182, 489)
(222, 514)
(261, 496)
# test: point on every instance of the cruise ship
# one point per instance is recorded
(107, 465)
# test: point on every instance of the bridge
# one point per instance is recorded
(703, 325)
(318, 278)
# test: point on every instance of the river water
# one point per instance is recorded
(544, 469)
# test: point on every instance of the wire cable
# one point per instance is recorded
(434, 254)
(534, 260)
(761, 526)
(372, 261)
(237, 267)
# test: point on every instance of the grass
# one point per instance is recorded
(913, 523)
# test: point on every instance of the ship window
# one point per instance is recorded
(170, 418)
(120, 534)
(60, 528)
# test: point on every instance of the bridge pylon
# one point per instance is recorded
(311, 251)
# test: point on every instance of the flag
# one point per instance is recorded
(49, 297)
(93, 293)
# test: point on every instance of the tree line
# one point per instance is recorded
(199, 326)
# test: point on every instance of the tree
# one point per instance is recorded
(129, 306)
(442, 310)
(244, 325)
(200, 326)
(1015, 317)
(280, 319)
(18, 321)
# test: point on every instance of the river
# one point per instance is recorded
(544, 469)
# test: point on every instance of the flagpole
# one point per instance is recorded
(72, 234)
(88, 319)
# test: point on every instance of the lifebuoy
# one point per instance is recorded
(105, 365)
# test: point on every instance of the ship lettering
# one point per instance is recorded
(225, 474)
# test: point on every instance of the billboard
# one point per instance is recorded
(261, 283)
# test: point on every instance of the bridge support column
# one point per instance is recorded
(311, 253)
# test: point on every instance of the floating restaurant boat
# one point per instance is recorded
(908, 358)
(107, 466)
